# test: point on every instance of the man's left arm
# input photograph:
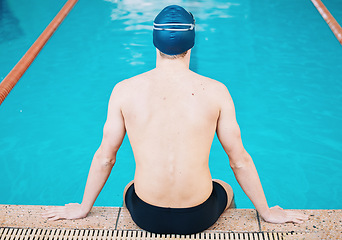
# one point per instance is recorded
(103, 161)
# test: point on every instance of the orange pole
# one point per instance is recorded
(19, 69)
(333, 24)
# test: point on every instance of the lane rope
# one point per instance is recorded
(19, 69)
(331, 21)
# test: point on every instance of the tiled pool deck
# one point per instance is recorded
(322, 224)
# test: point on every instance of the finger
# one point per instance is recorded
(57, 211)
(53, 211)
(301, 216)
(297, 221)
(298, 215)
(50, 209)
(304, 218)
(300, 219)
(50, 215)
(55, 218)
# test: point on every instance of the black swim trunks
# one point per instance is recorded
(177, 220)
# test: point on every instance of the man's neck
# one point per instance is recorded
(174, 65)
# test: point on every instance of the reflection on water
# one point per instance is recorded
(9, 25)
(139, 15)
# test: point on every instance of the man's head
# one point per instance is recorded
(174, 31)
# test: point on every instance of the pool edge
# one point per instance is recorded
(322, 224)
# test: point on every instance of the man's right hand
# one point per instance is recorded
(278, 215)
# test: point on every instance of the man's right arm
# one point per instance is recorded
(104, 159)
(229, 134)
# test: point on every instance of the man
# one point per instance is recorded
(171, 115)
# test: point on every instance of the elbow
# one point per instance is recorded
(108, 162)
(240, 161)
(104, 162)
(237, 165)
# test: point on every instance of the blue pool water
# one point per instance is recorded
(280, 61)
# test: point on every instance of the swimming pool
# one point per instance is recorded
(280, 61)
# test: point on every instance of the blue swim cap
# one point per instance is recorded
(174, 30)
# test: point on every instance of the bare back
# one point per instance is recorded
(171, 120)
